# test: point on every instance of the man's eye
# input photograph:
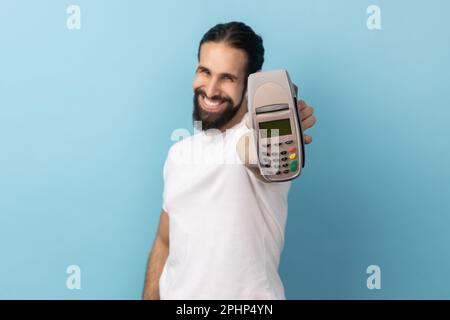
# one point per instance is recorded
(228, 78)
(204, 71)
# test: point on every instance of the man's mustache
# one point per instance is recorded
(217, 97)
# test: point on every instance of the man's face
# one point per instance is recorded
(218, 84)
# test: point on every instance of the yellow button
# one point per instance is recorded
(292, 156)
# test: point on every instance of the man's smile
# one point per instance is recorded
(212, 105)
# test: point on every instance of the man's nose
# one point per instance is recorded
(212, 88)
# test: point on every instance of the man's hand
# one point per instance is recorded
(246, 150)
(307, 118)
(157, 259)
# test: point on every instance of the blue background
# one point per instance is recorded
(86, 117)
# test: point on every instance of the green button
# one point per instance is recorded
(294, 165)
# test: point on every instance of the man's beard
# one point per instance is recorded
(214, 120)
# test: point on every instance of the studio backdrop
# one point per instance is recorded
(91, 91)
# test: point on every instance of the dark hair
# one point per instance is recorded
(238, 35)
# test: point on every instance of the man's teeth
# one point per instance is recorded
(212, 103)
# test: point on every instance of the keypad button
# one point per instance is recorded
(285, 165)
(286, 171)
(283, 152)
(284, 159)
(278, 172)
(291, 150)
(289, 141)
(294, 165)
(274, 153)
(292, 156)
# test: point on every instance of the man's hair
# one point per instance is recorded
(238, 35)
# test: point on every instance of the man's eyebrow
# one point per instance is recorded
(226, 74)
(202, 68)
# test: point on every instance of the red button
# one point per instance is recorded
(291, 149)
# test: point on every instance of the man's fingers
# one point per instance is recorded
(306, 112)
(301, 104)
(308, 122)
(307, 139)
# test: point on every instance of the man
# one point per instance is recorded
(226, 222)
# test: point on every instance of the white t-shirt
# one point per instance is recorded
(226, 227)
